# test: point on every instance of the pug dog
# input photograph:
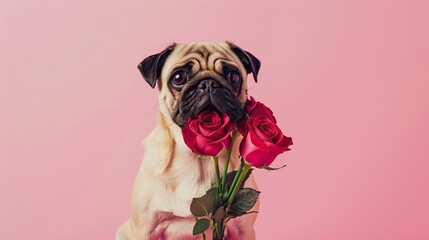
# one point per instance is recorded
(191, 78)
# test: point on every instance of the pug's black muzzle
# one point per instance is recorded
(210, 95)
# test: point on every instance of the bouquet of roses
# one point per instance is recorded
(262, 141)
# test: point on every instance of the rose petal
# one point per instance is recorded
(260, 158)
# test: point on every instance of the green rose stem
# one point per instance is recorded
(218, 231)
(218, 228)
(235, 187)
(204, 235)
(241, 175)
(216, 163)
(234, 182)
(228, 157)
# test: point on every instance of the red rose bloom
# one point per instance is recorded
(208, 133)
(253, 109)
(263, 141)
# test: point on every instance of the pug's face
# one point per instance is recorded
(201, 76)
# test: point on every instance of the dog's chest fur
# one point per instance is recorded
(172, 174)
(187, 177)
(169, 177)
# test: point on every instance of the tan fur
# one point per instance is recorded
(170, 175)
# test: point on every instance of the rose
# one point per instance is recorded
(262, 138)
(263, 141)
(208, 133)
(253, 109)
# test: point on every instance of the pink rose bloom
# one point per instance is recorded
(208, 133)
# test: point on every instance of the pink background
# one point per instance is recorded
(348, 80)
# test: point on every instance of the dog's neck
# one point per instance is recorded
(182, 173)
(188, 166)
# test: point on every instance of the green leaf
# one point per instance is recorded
(246, 177)
(201, 226)
(219, 214)
(202, 206)
(230, 178)
(244, 201)
(214, 191)
(271, 168)
(246, 213)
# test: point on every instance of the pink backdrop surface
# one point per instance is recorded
(348, 80)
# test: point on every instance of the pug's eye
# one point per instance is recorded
(234, 77)
(179, 78)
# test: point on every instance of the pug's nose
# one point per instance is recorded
(208, 85)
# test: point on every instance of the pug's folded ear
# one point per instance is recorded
(151, 67)
(250, 62)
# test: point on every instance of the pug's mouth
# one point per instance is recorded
(208, 106)
(207, 95)
(231, 107)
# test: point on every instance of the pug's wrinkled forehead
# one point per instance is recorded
(199, 57)
(202, 55)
